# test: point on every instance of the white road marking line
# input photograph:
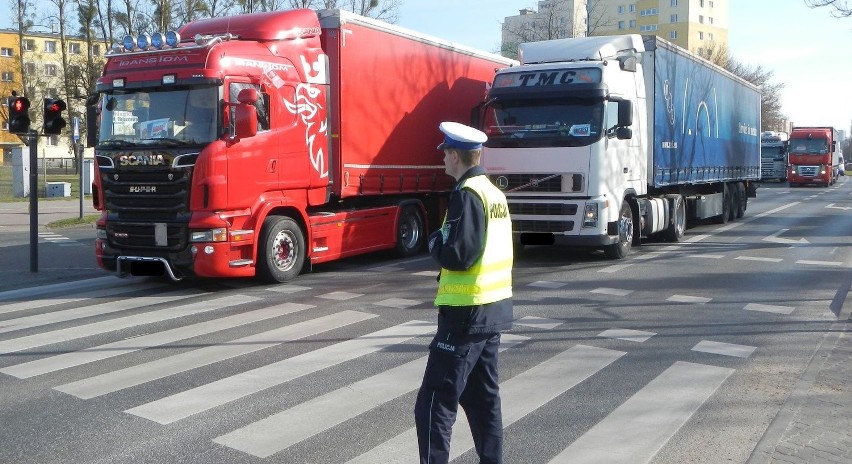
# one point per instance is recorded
(28, 322)
(689, 299)
(340, 296)
(646, 421)
(612, 291)
(73, 333)
(539, 322)
(547, 284)
(42, 302)
(275, 433)
(520, 396)
(769, 308)
(726, 349)
(627, 334)
(153, 370)
(97, 353)
(196, 400)
(759, 258)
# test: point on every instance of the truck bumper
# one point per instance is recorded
(531, 238)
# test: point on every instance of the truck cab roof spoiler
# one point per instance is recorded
(586, 49)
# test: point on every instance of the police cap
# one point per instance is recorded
(460, 136)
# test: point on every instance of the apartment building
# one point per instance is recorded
(691, 24)
(42, 76)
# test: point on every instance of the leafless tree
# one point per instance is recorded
(554, 19)
(841, 8)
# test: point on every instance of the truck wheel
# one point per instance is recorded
(281, 251)
(621, 249)
(726, 206)
(735, 200)
(742, 205)
(677, 225)
(410, 232)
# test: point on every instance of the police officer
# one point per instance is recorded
(474, 300)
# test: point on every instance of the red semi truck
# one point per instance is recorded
(268, 142)
(813, 156)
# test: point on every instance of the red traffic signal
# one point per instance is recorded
(19, 115)
(53, 121)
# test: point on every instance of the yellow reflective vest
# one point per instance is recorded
(490, 277)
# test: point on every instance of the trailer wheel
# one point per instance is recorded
(410, 232)
(726, 206)
(281, 251)
(621, 249)
(735, 200)
(743, 203)
(677, 225)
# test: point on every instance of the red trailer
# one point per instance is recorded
(268, 141)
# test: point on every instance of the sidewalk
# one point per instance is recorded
(73, 264)
(815, 423)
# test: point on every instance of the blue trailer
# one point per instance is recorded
(600, 141)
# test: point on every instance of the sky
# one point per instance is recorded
(806, 49)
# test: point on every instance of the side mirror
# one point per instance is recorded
(92, 119)
(624, 133)
(245, 114)
(625, 113)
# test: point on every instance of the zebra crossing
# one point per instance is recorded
(653, 414)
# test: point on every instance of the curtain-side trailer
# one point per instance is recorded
(599, 141)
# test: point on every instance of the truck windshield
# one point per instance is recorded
(185, 116)
(543, 122)
(772, 152)
(809, 146)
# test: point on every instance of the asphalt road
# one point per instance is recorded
(688, 352)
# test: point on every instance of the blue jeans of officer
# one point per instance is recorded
(461, 370)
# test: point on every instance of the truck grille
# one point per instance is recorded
(147, 207)
(555, 227)
(807, 171)
(130, 235)
(531, 182)
(543, 209)
(151, 194)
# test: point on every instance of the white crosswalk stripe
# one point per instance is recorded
(643, 423)
(72, 333)
(268, 436)
(646, 421)
(187, 403)
(44, 302)
(139, 374)
(519, 395)
(28, 322)
(97, 353)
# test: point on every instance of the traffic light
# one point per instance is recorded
(19, 115)
(53, 121)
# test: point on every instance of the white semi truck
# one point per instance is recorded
(600, 141)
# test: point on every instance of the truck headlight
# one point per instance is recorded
(212, 235)
(101, 234)
(590, 215)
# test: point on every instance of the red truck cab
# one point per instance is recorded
(265, 142)
(813, 156)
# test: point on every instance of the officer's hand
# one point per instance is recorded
(433, 239)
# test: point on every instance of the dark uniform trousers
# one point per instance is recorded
(461, 370)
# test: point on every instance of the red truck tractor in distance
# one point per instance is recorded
(269, 142)
(814, 156)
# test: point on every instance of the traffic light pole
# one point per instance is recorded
(33, 142)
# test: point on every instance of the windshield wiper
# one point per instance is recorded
(115, 143)
(165, 141)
